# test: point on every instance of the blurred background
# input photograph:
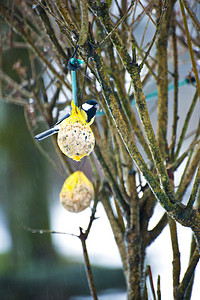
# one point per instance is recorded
(50, 266)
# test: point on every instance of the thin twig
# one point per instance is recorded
(66, 16)
(176, 268)
(88, 267)
(176, 76)
(112, 180)
(151, 282)
(189, 287)
(18, 87)
(158, 288)
(50, 32)
(194, 65)
(159, 23)
(155, 232)
(192, 15)
(194, 190)
(147, 13)
(186, 124)
(117, 25)
(137, 20)
(19, 26)
(188, 274)
(181, 158)
(83, 236)
(46, 231)
(53, 15)
(189, 171)
(38, 145)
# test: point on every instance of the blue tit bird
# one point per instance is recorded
(88, 111)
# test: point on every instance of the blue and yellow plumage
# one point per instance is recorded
(88, 111)
(75, 137)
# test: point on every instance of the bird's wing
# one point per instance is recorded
(46, 134)
(65, 117)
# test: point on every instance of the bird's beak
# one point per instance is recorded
(97, 106)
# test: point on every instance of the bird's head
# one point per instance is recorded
(89, 109)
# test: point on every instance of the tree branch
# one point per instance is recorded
(188, 275)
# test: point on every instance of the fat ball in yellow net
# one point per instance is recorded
(75, 137)
(77, 192)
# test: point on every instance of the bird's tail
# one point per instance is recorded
(46, 134)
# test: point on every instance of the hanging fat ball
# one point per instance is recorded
(77, 192)
(75, 137)
(88, 111)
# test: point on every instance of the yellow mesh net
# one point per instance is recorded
(77, 192)
(75, 137)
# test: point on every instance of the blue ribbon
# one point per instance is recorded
(153, 94)
(76, 63)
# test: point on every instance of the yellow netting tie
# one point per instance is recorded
(77, 192)
(75, 137)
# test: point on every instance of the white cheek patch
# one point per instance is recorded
(86, 106)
